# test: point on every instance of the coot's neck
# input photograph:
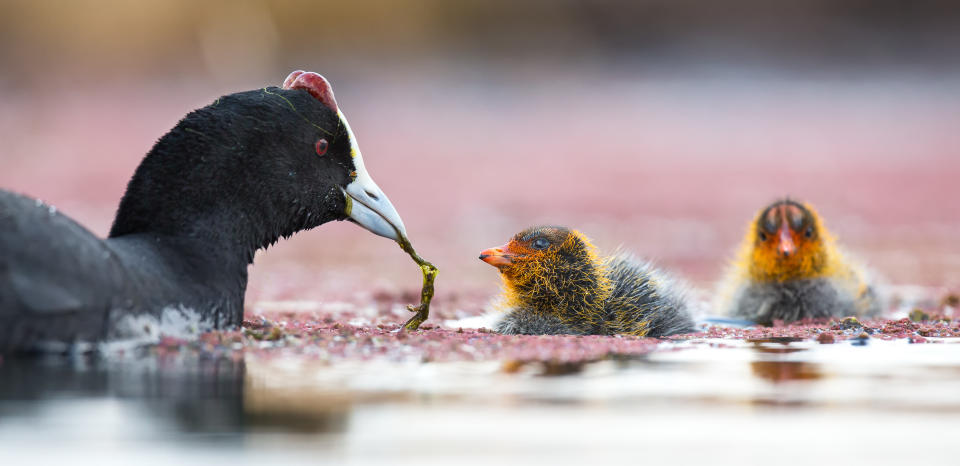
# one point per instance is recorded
(227, 232)
(170, 271)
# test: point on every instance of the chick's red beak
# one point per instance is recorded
(499, 256)
(786, 247)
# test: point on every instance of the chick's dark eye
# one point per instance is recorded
(809, 232)
(763, 236)
(321, 147)
(540, 243)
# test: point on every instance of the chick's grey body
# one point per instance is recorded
(525, 322)
(643, 293)
(640, 293)
(792, 300)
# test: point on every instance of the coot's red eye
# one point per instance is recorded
(321, 147)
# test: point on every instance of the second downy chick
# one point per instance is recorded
(789, 268)
(555, 283)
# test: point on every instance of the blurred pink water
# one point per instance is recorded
(670, 168)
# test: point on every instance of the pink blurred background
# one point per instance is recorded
(662, 126)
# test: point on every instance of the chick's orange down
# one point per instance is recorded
(790, 268)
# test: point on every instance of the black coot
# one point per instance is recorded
(230, 178)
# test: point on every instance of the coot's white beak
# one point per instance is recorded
(367, 205)
(370, 208)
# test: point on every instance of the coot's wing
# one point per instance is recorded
(56, 278)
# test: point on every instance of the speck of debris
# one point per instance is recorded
(917, 315)
(849, 323)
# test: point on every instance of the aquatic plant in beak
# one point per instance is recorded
(366, 204)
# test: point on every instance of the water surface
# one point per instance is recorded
(711, 401)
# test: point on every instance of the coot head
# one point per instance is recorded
(255, 166)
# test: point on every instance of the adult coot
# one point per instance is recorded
(555, 283)
(790, 269)
(229, 179)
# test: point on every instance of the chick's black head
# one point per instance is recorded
(551, 270)
(544, 256)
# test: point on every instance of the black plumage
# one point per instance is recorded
(230, 178)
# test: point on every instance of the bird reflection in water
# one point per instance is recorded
(179, 394)
(771, 368)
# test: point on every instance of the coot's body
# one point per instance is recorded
(62, 284)
(230, 178)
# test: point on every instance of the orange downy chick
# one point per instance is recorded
(554, 282)
(790, 268)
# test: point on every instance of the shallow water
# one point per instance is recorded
(717, 401)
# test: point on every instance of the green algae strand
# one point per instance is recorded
(421, 311)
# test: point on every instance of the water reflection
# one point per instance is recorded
(266, 410)
(297, 411)
(772, 366)
(786, 371)
(186, 395)
(203, 395)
